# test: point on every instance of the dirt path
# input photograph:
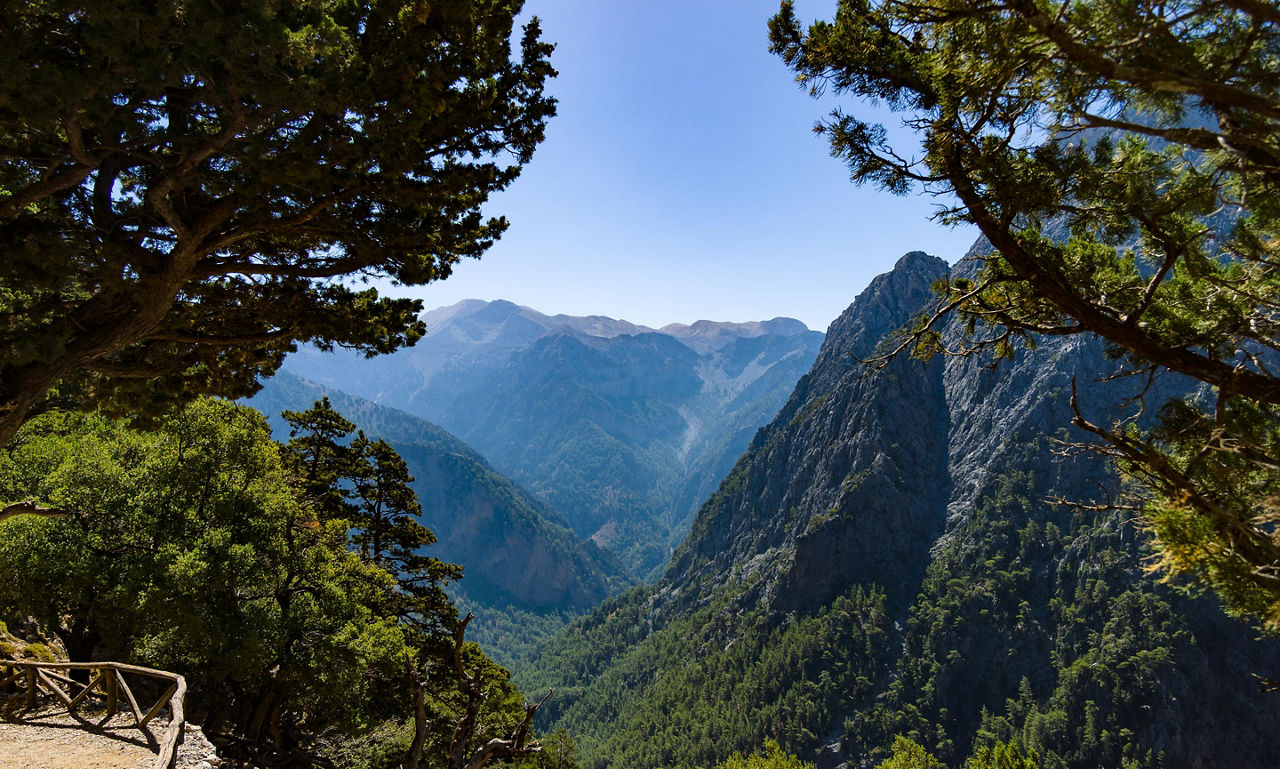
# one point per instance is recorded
(49, 739)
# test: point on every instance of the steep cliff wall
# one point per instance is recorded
(902, 516)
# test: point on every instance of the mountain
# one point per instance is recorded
(885, 560)
(622, 428)
(515, 549)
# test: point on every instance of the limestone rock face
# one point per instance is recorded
(848, 483)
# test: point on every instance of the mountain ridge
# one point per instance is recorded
(883, 561)
(622, 428)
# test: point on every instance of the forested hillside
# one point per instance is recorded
(623, 429)
(886, 560)
(516, 551)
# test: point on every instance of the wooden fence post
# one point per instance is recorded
(109, 687)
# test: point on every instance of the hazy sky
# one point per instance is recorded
(681, 179)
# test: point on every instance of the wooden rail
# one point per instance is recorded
(108, 679)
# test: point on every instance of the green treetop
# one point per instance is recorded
(366, 484)
(908, 754)
(320, 459)
(188, 189)
(390, 534)
(772, 757)
(1143, 136)
(189, 547)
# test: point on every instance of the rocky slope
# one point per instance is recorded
(624, 429)
(515, 549)
(884, 560)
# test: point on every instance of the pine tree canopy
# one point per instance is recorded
(187, 189)
(1123, 160)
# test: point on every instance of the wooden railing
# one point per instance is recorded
(108, 679)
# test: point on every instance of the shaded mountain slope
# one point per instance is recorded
(515, 549)
(884, 561)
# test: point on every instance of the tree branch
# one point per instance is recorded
(1256, 8)
(222, 340)
(1249, 544)
(1165, 79)
(515, 746)
(29, 507)
(1050, 285)
(11, 205)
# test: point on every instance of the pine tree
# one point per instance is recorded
(320, 459)
(388, 533)
(1123, 161)
(185, 188)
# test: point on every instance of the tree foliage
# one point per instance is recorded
(643, 688)
(365, 483)
(189, 188)
(1123, 161)
(1002, 756)
(908, 754)
(191, 548)
(772, 757)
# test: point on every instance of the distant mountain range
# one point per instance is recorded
(622, 429)
(884, 561)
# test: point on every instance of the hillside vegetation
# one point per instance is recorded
(204, 548)
(855, 579)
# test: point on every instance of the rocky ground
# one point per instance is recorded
(53, 739)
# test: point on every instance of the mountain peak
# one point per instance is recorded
(484, 318)
(779, 325)
(708, 335)
(888, 301)
(916, 260)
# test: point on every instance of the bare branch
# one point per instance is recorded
(515, 746)
(1266, 685)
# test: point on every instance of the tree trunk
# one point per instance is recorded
(418, 687)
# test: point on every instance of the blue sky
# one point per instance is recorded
(681, 179)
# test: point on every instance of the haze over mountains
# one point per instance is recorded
(622, 429)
